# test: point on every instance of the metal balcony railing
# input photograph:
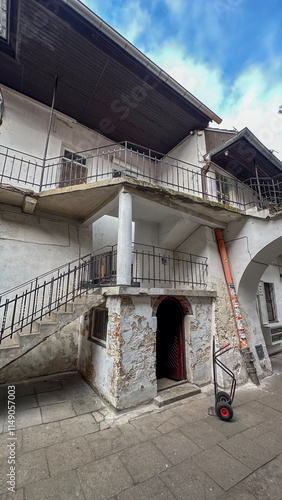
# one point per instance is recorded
(151, 266)
(268, 191)
(156, 266)
(132, 161)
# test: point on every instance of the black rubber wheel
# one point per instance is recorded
(224, 411)
(224, 396)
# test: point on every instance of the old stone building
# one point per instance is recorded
(112, 184)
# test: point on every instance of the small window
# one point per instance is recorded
(270, 302)
(222, 189)
(98, 322)
(4, 19)
(73, 169)
(1, 106)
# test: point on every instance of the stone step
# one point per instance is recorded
(176, 393)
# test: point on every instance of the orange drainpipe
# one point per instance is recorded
(231, 289)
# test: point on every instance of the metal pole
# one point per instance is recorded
(49, 131)
(258, 184)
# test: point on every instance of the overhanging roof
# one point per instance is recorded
(104, 82)
(242, 153)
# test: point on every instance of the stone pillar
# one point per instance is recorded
(124, 242)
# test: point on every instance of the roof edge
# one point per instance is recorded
(90, 16)
(253, 140)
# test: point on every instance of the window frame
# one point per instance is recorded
(92, 320)
(9, 43)
(269, 293)
(71, 160)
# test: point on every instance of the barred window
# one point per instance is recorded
(98, 321)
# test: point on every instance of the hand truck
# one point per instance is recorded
(223, 400)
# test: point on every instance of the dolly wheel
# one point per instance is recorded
(223, 396)
(224, 411)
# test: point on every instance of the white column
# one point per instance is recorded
(124, 242)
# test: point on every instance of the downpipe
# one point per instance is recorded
(245, 350)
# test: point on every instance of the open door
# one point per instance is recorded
(170, 340)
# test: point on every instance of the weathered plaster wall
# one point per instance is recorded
(124, 371)
(98, 363)
(191, 149)
(252, 245)
(138, 352)
(198, 341)
(272, 275)
(32, 245)
(203, 242)
(105, 232)
(57, 354)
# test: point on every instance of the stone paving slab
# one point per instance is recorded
(31, 466)
(18, 495)
(247, 451)
(26, 402)
(176, 446)
(266, 482)
(59, 411)
(152, 489)
(202, 434)
(68, 455)
(78, 426)
(42, 435)
(188, 481)
(103, 479)
(224, 469)
(26, 418)
(144, 461)
(48, 386)
(48, 398)
(67, 484)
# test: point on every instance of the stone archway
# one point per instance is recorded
(185, 304)
(247, 296)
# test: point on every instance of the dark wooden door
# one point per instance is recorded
(170, 341)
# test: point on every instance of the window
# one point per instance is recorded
(222, 188)
(98, 321)
(73, 169)
(270, 302)
(1, 107)
(4, 19)
(8, 26)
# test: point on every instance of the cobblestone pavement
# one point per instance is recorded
(69, 445)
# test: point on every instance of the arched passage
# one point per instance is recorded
(170, 351)
(247, 293)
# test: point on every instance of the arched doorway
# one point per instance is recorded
(170, 356)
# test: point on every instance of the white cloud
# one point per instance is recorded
(132, 20)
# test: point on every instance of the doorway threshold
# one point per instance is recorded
(181, 390)
(166, 383)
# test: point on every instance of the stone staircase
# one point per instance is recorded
(22, 342)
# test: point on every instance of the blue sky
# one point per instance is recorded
(228, 53)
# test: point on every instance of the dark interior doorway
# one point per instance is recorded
(170, 340)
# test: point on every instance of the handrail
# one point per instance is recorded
(127, 160)
(38, 297)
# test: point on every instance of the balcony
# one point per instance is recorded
(130, 161)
